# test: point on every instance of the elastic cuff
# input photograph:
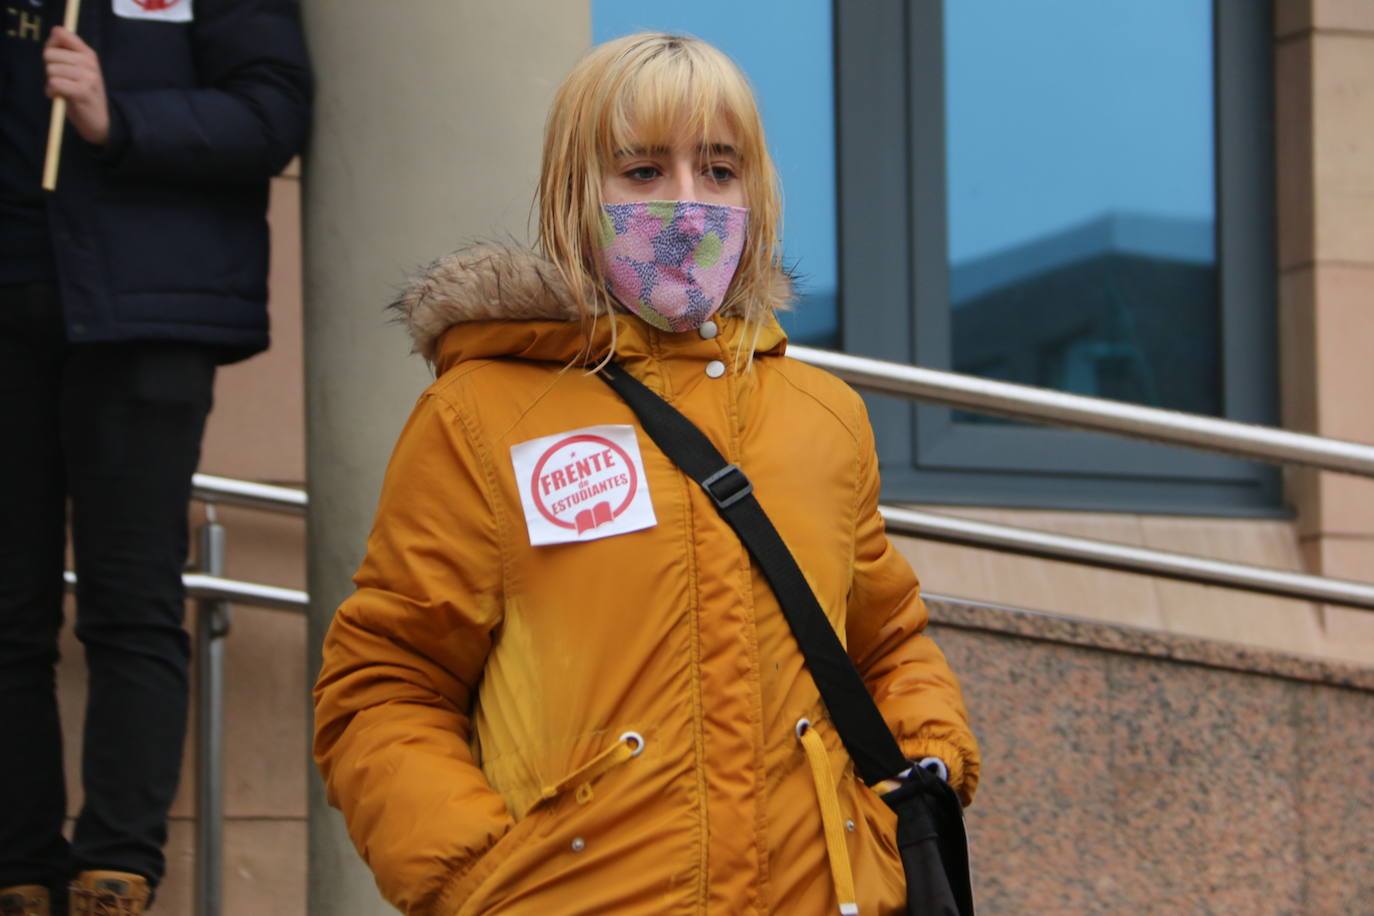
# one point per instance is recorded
(963, 772)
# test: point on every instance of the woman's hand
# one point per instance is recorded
(74, 74)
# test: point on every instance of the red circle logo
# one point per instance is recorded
(583, 482)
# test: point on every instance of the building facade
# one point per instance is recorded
(1232, 277)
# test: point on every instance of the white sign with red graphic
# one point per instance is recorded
(159, 10)
(582, 485)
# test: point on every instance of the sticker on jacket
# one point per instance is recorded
(159, 10)
(582, 485)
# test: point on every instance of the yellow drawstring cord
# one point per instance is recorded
(626, 746)
(837, 850)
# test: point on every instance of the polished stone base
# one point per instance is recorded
(1127, 771)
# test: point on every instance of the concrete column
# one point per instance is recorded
(427, 130)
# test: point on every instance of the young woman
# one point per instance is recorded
(561, 686)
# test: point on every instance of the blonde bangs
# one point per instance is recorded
(669, 95)
(650, 90)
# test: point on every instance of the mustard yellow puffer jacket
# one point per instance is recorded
(606, 723)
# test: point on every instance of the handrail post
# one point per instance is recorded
(212, 625)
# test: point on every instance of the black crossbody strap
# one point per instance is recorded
(861, 727)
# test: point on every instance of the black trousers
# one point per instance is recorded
(114, 431)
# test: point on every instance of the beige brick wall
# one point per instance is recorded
(1324, 63)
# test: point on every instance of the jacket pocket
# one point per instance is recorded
(536, 840)
(469, 887)
(880, 819)
(878, 873)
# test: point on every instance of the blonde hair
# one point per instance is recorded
(637, 91)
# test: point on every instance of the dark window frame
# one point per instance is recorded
(894, 278)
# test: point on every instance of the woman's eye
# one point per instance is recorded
(720, 172)
(642, 173)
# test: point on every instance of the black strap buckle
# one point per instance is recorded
(727, 486)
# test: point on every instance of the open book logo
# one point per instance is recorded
(597, 515)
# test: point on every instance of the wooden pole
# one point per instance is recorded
(59, 114)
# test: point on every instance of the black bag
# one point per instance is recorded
(934, 848)
(930, 820)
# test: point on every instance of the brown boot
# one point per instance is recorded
(24, 900)
(108, 893)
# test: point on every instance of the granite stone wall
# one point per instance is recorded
(1129, 771)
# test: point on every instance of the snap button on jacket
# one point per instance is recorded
(477, 692)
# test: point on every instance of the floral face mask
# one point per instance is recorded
(671, 261)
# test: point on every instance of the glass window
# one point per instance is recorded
(1075, 194)
(785, 47)
(1081, 197)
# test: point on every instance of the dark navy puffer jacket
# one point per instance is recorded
(162, 234)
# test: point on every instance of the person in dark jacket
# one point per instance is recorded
(120, 293)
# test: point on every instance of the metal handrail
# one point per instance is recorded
(955, 530)
(214, 594)
(1023, 402)
(216, 588)
(1128, 558)
(1043, 405)
(230, 492)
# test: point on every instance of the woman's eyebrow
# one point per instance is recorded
(642, 151)
(708, 149)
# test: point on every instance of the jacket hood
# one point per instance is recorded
(506, 300)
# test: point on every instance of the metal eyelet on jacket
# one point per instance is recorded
(638, 740)
(836, 849)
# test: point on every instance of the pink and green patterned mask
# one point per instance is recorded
(671, 261)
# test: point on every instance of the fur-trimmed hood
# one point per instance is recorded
(495, 282)
(481, 283)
